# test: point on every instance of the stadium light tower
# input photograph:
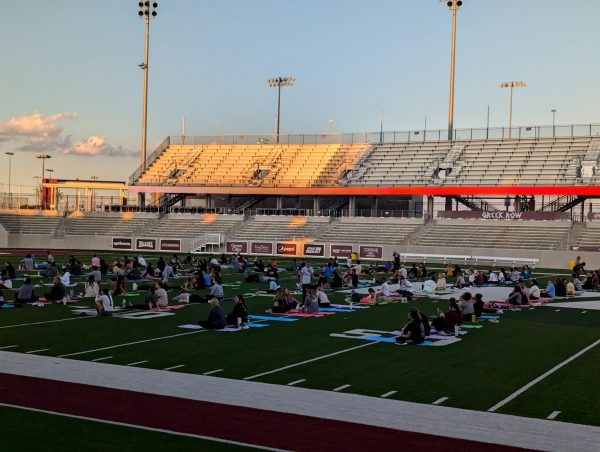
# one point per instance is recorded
(511, 85)
(147, 11)
(43, 158)
(553, 122)
(454, 6)
(10, 154)
(279, 82)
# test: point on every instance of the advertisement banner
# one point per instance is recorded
(119, 243)
(311, 249)
(145, 244)
(237, 247)
(261, 248)
(287, 249)
(340, 250)
(370, 252)
(501, 215)
(170, 245)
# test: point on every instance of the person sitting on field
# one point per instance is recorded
(280, 304)
(216, 317)
(118, 286)
(104, 304)
(406, 289)
(5, 281)
(514, 275)
(440, 284)
(26, 294)
(10, 270)
(372, 298)
(465, 303)
(322, 298)
(413, 332)
(239, 314)
(216, 291)
(336, 280)
(430, 285)
(310, 305)
(92, 289)
(57, 293)
(66, 278)
(27, 264)
(577, 283)
(384, 290)
(549, 291)
(168, 272)
(162, 299)
(460, 281)
(516, 296)
(534, 290)
(570, 288)
(445, 323)
(492, 277)
(560, 287)
(478, 305)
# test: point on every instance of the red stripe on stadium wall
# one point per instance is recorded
(233, 423)
(378, 191)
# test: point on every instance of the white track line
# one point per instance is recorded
(310, 360)
(584, 312)
(8, 346)
(131, 343)
(136, 363)
(36, 351)
(387, 394)
(175, 367)
(341, 388)
(439, 401)
(138, 427)
(101, 359)
(42, 323)
(541, 377)
(293, 383)
(213, 372)
(553, 415)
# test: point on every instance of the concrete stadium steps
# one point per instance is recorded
(589, 236)
(271, 228)
(535, 235)
(370, 231)
(104, 225)
(190, 226)
(30, 224)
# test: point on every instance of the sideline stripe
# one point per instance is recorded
(42, 323)
(8, 346)
(36, 351)
(310, 361)
(140, 427)
(387, 394)
(442, 400)
(293, 383)
(340, 388)
(553, 415)
(136, 363)
(130, 343)
(213, 372)
(543, 376)
(101, 359)
(175, 367)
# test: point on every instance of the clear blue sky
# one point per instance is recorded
(210, 61)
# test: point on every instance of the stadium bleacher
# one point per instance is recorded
(366, 230)
(280, 228)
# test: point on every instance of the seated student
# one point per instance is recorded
(27, 263)
(134, 274)
(322, 281)
(66, 278)
(440, 283)
(162, 299)
(6, 282)
(273, 287)
(460, 281)
(168, 272)
(104, 304)
(216, 317)
(118, 286)
(479, 278)
(413, 272)
(526, 272)
(92, 289)
(355, 297)
(280, 304)
(515, 275)
(422, 271)
(384, 290)
(449, 270)
(577, 283)
(216, 291)
(310, 305)
(560, 288)
(97, 274)
(534, 290)
(550, 291)
(445, 323)
(492, 277)
(516, 296)
(406, 289)
(429, 285)
(501, 277)
(336, 281)
(328, 270)
(478, 305)
(425, 322)
(239, 314)
(322, 298)
(26, 293)
(57, 293)
(258, 265)
(570, 288)
(465, 303)
(413, 332)
(10, 270)
(372, 298)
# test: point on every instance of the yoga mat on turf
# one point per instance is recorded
(349, 306)
(488, 317)
(335, 310)
(7, 306)
(302, 315)
(258, 325)
(274, 319)
(471, 326)
(191, 326)
(425, 344)
(380, 339)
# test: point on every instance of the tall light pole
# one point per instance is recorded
(453, 5)
(50, 171)
(279, 82)
(381, 126)
(147, 10)
(553, 122)
(330, 129)
(511, 85)
(10, 154)
(43, 158)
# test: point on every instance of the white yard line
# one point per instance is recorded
(517, 393)
(36, 351)
(175, 367)
(42, 323)
(296, 382)
(213, 372)
(101, 359)
(136, 363)
(387, 394)
(139, 427)
(341, 388)
(439, 401)
(130, 343)
(553, 415)
(318, 358)
(8, 346)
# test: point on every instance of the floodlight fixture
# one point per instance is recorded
(511, 86)
(279, 82)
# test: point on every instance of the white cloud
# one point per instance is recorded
(97, 145)
(34, 125)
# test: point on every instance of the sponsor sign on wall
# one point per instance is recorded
(237, 247)
(170, 245)
(287, 249)
(501, 215)
(340, 250)
(311, 249)
(119, 243)
(145, 244)
(370, 252)
(585, 248)
(261, 248)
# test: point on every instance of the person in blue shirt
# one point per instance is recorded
(550, 291)
(328, 270)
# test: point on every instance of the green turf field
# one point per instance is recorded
(486, 367)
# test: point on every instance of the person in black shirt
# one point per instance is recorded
(478, 305)
(336, 280)
(560, 287)
(413, 332)
(239, 315)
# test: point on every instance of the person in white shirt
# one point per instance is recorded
(66, 279)
(92, 289)
(406, 288)
(306, 275)
(6, 282)
(429, 285)
(322, 298)
(403, 271)
(501, 277)
(385, 289)
(534, 290)
(441, 283)
(168, 272)
(142, 262)
(492, 278)
(104, 304)
(161, 296)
